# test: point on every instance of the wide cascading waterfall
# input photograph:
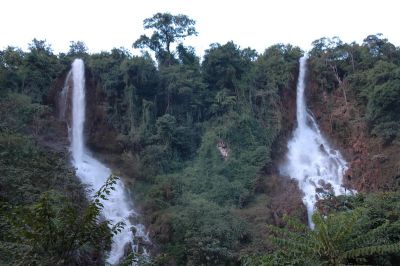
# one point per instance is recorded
(310, 160)
(93, 173)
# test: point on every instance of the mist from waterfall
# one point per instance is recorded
(311, 160)
(93, 173)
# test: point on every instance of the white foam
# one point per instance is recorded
(310, 159)
(94, 174)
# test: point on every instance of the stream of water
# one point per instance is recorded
(311, 160)
(94, 174)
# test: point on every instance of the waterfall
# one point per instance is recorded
(94, 174)
(316, 166)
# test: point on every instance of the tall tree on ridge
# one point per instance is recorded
(167, 30)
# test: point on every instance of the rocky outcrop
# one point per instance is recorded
(288, 123)
(100, 135)
(372, 165)
(223, 149)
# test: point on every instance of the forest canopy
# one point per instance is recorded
(198, 141)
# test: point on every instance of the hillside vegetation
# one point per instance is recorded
(199, 142)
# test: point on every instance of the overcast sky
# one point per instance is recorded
(104, 24)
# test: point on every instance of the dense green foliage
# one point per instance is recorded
(197, 136)
(173, 118)
(168, 29)
(370, 72)
(231, 99)
(29, 73)
(361, 230)
(44, 216)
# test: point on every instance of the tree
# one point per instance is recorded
(364, 235)
(379, 47)
(40, 68)
(225, 66)
(45, 218)
(168, 29)
(11, 60)
(77, 49)
(187, 55)
(52, 231)
(40, 46)
(331, 54)
(383, 110)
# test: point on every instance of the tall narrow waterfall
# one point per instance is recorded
(93, 173)
(317, 167)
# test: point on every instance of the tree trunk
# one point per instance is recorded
(340, 81)
(352, 61)
(344, 85)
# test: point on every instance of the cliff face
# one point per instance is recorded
(101, 137)
(288, 123)
(373, 166)
(284, 195)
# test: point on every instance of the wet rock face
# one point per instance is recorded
(288, 124)
(372, 166)
(285, 197)
(100, 135)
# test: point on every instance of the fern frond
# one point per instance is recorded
(372, 250)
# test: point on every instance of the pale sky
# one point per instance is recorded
(104, 24)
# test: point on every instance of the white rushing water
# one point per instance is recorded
(316, 166)
(94, 174)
